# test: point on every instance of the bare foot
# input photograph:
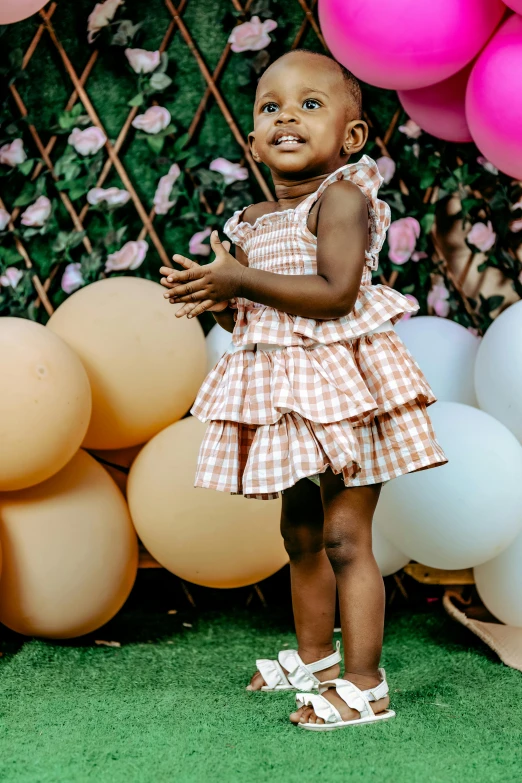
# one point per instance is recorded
(307, 714)
(257, 681)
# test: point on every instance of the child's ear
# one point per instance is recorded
(356, 137)
(252, 145)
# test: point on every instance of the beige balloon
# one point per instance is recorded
(45, 403)
(70, 553)
(207, 537)
(144, 364)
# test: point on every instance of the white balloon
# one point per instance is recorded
(499, 584)
(498, 369)
(463, 513)
(389, 558)
(445, 351)
(218, 341)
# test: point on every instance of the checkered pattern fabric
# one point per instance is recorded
(294, 396)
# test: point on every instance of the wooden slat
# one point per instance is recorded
(439, 576)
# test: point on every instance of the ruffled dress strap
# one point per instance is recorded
(365, 174)
(237, 230)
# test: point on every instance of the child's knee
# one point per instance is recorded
(344, 548)
(300, 539)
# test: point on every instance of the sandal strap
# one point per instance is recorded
(271, 672)
(321, 706)
(350, 694)
(301, 675)
(378, 691)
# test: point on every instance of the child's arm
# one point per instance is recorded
(342, 238)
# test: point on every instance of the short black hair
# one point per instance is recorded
(352, 85)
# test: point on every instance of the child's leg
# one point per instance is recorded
(312, 578)
(348, 514)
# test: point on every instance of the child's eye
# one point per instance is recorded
(269, 108)
(306, 104)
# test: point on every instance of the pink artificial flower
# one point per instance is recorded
(482, 236)
(11, 277)
(411, 129)
(142, 61)
(72, 278)
(113, 196)
(196, 246)
(232, 172)
(13, 154)
(473, 331)
(100, 16)
(165, 185)
(386, 166)
(518, 205)
(438, 297)
(402, 237)
(155, 119)
(414, 301)
(36, 214)
(87, 141)
(484, 162)
(251, 36)
(5, 217)
(130, 256)
(516, 225)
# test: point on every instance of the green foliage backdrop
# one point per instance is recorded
(38, 82)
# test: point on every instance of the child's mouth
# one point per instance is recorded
(288, 141)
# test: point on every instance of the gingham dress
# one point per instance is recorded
(293, 395)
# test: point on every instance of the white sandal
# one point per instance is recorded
(352, 696)
(300, 675)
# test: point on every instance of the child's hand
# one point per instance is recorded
(205, 286)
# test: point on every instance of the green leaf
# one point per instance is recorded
(27, 196)
(426, 222)
(25, 168)
(493, 302)
(160, 81)
(137, 100)
(156, 143)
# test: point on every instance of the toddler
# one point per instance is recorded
(317, 398)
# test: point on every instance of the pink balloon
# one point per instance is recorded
(515, 5)
(440, 108)
(494, 99)
(16, 10)
(406, 44)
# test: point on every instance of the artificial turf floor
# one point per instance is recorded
(170, 705)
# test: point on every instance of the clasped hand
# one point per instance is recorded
(207, 287)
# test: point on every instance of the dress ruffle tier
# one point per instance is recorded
(276, 416)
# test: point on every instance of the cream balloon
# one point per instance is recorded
(499, 584)
(388, 557)
(16, 10)
(467, 511)
(70, 553)
(218, 340)
(445, 352)
(207, 537)
(498, 369)
(144, 364)
(45, 403)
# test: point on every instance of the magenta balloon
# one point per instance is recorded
(16, 10)
(406, 44)
(440, 108)
(515, 5)
(494, 99)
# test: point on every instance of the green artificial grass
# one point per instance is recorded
(170, 705)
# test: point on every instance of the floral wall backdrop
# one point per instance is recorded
(123, 132)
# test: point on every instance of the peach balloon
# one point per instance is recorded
(440, 108)
(70, 553)
(207, 537)
(45, 403)
(16, 10)
(144, 364)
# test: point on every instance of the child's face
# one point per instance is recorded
(305, 97)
